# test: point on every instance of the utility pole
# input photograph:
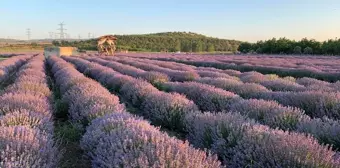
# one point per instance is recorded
(62, 30)
(79, 36)
(28, 33)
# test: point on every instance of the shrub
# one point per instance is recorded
(34, 88)
(238, 87)
(252, 77)
(283, 85)
(207, 97)
(264, 147)
(315, 103)
(213, 74)
(167, 109)
(269, 113)
(116, 82)
(87, 102)
(137, 91)
(10, 102)
(175, 75)
(26, 147)
(27, 118)
(310, 81)
(120, 139)
(326, 130)
(232, 72)
(219, 132)
(154, 77)
(240, 143)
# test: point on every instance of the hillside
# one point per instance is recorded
(166, 41)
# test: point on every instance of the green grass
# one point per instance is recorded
(70, 134)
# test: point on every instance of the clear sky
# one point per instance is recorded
(248, 20)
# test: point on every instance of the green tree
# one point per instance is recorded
(55, 43)
(259, 50)
(178, 46)
(197, 46)
(245, 47)
(211, 48)
(297, 50)
(308, 50)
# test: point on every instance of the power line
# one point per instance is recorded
(28, 33)
(62, 30)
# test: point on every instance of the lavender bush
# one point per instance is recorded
(26, 147)
(245, 90)
(137, 91)
(326, 130)
(283, 85)
(13, 102)
(126, 141)
(240, 142)
(27, 118)
(269, 113)
(264, 147)
(85, 98)
(315, 103)
(207, 97)
(175, 75)
(26, 133)
(9, 65)
(168, 110)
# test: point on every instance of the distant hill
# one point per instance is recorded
(164, 41)
(176, 34)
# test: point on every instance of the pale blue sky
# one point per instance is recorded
(248, 20)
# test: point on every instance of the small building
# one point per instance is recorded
(60, 51)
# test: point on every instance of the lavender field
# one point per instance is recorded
(163, 110)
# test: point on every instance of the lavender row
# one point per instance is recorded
(230, 140)
(276, 83)
(209, 98)
(281, 71)
(175, 75)
(271, 81)
(270, 113)
(118, 138)
(151, 76)
(84, 98)
(26, 126)
(166, 109)
(10, 65)
(315, 103)
(319, 64)
(128, 141)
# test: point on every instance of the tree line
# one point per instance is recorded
(286, 46)
(162, 42)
